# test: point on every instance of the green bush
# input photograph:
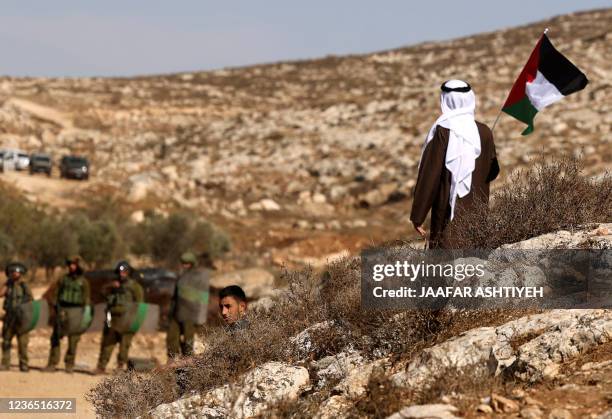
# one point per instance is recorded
(52, 241)
(164, 239)
(98, 241)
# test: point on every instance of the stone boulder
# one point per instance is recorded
(429, 411)
(140, 185)
(265, 205)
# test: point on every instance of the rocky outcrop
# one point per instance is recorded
(258, 389)
(551, 338)
(597, 237)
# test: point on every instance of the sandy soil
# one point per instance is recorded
(53, 191)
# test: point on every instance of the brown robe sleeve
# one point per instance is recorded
(494, 170)
(429, 177)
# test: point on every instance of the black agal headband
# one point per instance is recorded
(463, 89)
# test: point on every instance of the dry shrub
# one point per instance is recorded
(381, 398)
(130, 394)
(546, 197)
(333, 298)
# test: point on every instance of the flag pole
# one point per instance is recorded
(500, 111)
(496, 119)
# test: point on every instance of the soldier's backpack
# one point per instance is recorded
(32, 315)
(192, 296)
(138, 317)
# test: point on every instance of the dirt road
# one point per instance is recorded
(58, 193)
(37, 384)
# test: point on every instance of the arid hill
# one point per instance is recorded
(302, 160)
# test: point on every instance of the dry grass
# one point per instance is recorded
(548, 196)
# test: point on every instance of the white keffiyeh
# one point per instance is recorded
(464, 140)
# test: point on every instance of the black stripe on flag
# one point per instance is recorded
(560, 71)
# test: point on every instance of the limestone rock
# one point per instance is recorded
(303, 343)
(555, 337)
(429, 411)
(251, 396)
(502, 404)
(268, 384)
(598, 237)
(265, 205)
(336, 407)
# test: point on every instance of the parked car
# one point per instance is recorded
(75, 167)
(40, 162)
(23, 161)
(13, 159)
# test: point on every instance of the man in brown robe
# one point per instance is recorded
(465, 146)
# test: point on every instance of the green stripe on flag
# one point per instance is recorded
(35, 315)
(141, 314)
(524, 111)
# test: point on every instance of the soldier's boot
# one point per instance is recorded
(6, 361)
(99, 371)
(69, 368)
(24, 367)
(54, 355)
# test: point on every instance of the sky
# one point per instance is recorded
(73, 38)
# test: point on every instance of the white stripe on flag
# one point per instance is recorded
(541, 92)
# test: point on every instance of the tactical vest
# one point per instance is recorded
(15, 296)
(123, 295)
(71, 292)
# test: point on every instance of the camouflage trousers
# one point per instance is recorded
(175, 345)
(54, 354)
(22, 344)
(110, 338)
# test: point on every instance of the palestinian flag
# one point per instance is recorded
(547, 77)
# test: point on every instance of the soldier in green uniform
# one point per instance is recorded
(124, 291)
(15, 293)
(72, 291)
(176, 328)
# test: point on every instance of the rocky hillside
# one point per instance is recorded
(330, 359)
(305, 159)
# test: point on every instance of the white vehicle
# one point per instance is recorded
(13, 159)
(23, 161)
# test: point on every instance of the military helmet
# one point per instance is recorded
(189, 257)
(123, 266)
(15, 267)
(73, 259)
